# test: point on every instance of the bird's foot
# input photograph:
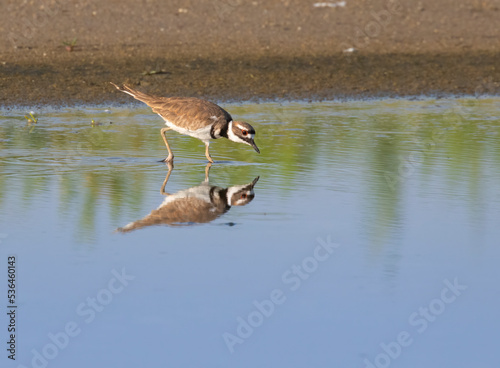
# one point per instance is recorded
(168, 160)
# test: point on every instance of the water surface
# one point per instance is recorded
(370, 238)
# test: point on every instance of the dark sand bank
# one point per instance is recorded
(245, 50)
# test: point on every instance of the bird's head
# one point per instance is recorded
(242, 132)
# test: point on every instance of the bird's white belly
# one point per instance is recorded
(202, 133)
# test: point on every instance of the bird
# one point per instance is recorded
(195, 117)
(200, 204)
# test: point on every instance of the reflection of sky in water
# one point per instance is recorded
(409, 190)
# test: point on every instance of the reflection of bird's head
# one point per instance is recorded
(242, 132)
(240, 195)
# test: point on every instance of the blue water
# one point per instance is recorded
(372, 238)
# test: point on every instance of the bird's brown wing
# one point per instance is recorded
(189, 112)
(190, 210)
(181, 110)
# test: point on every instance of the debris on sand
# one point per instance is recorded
(338, 4)
(350, 50)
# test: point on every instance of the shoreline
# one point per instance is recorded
(39, 108)
(75, 78)
(235, 50)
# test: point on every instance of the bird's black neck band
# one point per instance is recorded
(221, 133)
(223, 130)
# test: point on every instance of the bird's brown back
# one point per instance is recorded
(184, 210)
(187, 112)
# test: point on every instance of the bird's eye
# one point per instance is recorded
(244, 132)
(243, 196)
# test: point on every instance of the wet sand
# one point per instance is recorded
(244, 50)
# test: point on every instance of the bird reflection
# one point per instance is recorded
(200, 204)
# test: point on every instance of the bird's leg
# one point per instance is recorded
(170, 157)
(170, 167)
(207, 171)
(207, 154)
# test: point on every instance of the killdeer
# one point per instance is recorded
(195, 117)
(200, 204)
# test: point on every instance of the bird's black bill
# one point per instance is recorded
(255, 181)
(252, 143)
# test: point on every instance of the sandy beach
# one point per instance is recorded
(247, 50)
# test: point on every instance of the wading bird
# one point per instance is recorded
(195, 117)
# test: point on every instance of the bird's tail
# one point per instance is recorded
(134, 93)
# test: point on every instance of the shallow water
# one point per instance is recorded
(371, 238)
